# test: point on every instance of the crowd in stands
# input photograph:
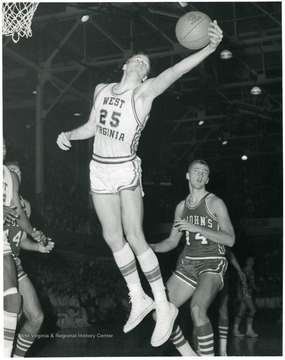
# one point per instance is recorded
(79, 293)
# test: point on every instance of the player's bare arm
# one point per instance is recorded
(31, 245)
(224, 236)
(172, 241)
(22, 220)
(83, 132)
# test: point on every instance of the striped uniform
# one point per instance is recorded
(14, 235)
(7, 200)
(200, 255)
(114, 165)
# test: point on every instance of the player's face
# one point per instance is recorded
(140, 64)
(198, 175)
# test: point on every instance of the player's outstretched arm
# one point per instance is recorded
(163, 81)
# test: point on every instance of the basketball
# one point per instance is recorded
(192, 30)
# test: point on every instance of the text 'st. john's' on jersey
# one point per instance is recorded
(198, 246)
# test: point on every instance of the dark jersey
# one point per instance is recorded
(198, 246)
(14, 233)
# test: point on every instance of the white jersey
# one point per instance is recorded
(118, 128)
(7, 186)
(7, 200)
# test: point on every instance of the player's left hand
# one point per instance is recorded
(46, 249)
(216, 35)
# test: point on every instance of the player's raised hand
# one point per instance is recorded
(216, 35)
(63, 141)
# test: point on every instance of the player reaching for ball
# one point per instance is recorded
(119, 114)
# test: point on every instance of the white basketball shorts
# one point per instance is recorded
(6, 245)
(112, 178)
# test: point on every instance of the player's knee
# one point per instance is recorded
(134, 233)
(111, 239)
(197, 311)
(12, 301)
(38, 318)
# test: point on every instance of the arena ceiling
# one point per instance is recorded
(65, 58)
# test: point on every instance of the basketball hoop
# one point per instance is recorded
(17, 19)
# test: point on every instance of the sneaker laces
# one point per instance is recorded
(134, 300)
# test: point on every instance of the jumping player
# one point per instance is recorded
(119, 114)
(203, 220)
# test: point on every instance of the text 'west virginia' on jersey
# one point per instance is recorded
(198, 246)
(118, 128)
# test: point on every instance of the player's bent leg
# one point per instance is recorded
(33, 317)
(182, 345)
(207, 288)
(12, 307)
(179, 292)
(11, 301)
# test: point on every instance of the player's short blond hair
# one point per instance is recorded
(201, 162)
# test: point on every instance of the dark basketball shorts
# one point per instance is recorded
(190, 270)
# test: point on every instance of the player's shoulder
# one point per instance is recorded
(180, 207)
(99, 87)
(213, 198)
(215, 201)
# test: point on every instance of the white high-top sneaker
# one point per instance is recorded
(142, 304)
(166, 314)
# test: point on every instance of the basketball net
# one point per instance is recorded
(17, 19)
